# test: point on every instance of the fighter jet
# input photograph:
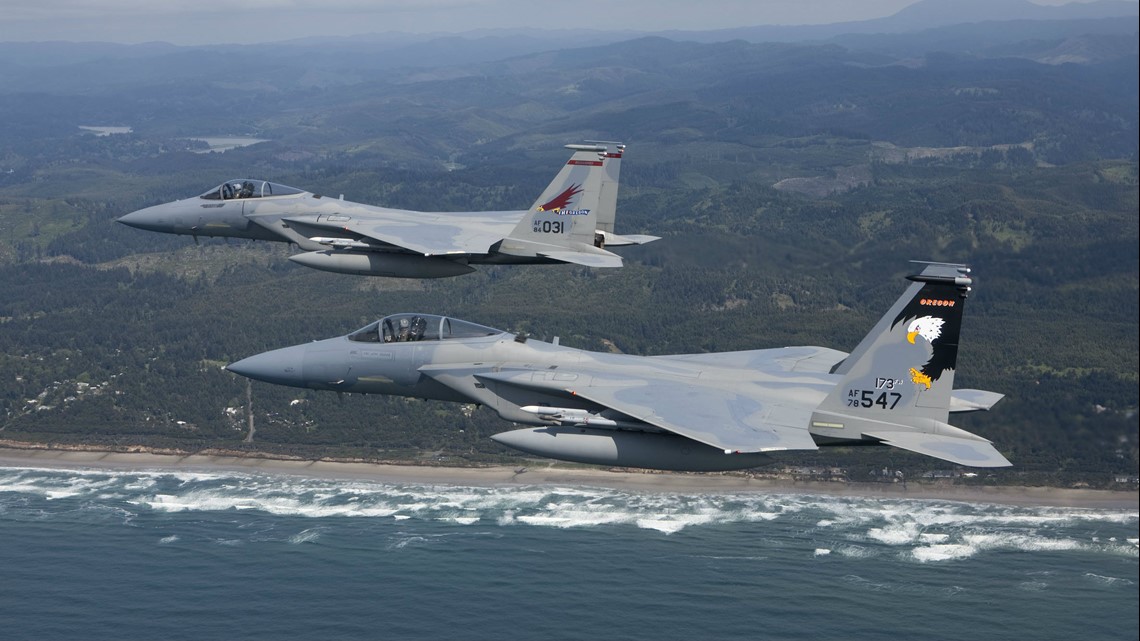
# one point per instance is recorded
(571, 222)
(696, 412)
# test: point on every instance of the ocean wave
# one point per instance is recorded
(943, 552)
(906, 587)
(1108, 580)
(856, 551)
(305, 536)
(853, 527)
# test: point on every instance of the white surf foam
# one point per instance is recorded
(856, 552)
(305, 536)
(1108, 580)
(895, 534)
(931, 530)
(943, 552)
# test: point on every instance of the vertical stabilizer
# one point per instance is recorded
(567, 211)
(607, 201)
(905, 365)
(562, 224)
(897, 385)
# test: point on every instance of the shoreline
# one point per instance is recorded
(660, 482)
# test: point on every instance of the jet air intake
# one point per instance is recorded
(380, 264)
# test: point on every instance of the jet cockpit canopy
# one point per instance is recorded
(401, 328)
(249, 188)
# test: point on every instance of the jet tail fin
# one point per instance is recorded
(607, 201)
(608, 193)
(898, 383)
(564, 219)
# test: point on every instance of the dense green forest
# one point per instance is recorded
(790, 184)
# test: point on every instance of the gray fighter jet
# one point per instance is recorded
(571, 222)
(708, 412)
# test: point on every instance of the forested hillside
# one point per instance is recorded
(790, 184)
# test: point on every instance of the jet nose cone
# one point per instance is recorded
(280, 366)
(149, 219)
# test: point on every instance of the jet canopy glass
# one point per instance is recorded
(246, 188)
(404, 328)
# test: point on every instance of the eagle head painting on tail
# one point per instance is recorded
(930, 322)
(929, 328)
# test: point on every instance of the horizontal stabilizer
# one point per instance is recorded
(582, 258)
(973, 400)
(621, 240)
(969, 452)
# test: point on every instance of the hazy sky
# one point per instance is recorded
(247, 21)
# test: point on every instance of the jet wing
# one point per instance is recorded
(805, 359)
(727, 419)
(427, 236)
(819, 360)
(430, 235)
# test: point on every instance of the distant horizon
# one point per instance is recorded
(213, 22)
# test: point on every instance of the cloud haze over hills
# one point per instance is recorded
(252, 21)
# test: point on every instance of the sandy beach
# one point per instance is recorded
(542, 473)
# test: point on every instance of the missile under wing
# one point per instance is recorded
(571, 221)
(717, 411)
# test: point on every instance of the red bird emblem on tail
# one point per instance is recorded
(561, 201)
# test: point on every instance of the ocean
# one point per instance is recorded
(170, 554)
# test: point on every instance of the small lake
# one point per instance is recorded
(106, 131)
(226, 143)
